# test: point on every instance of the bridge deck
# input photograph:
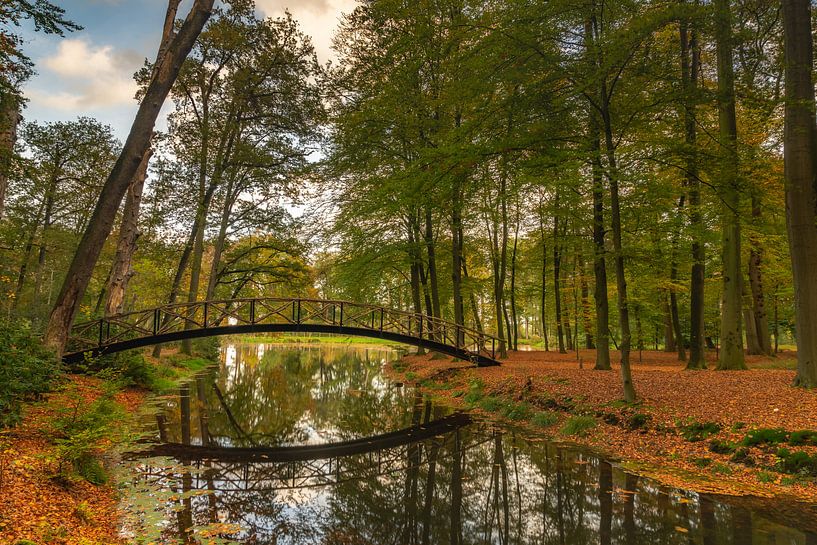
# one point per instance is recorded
(177, 322)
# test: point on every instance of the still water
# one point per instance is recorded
(313, 445)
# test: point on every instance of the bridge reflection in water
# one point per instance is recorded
(384, 465)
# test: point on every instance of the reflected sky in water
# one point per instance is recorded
(462, 483)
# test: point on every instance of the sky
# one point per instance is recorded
(90, 72)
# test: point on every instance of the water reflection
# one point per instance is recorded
(427, 477)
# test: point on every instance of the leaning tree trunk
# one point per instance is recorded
(731, 353)
(122, 269)
(175, 48)
(9, 120)
(801, 190)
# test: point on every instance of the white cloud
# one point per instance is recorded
(317, 18)
(87, 77)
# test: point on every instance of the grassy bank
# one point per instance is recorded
(62, 435)
(314, 339)
(745, 432)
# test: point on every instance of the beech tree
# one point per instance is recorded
(173, 50)
(801, 190)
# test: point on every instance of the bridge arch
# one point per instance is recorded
(177, 322)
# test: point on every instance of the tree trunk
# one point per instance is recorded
(122, 269)
(801, 182)
(184, 260)
(600, 295)
(669, 332)
(514, 335)
(557, 290)
(589, 342)
(87, 253)
(689, 82)
(543, 302)
(731, 353)
(473, 297)
(9, 121)
(760, 315)
(456, 256)
(621, 279)
(432, 264)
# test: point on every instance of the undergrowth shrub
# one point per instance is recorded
(27, 370)
(545, 419)
(722, 447)
(698, 431)
(765, 436)
(578, 425)
(637, 421)
(81, 430)
(803, 437)
(797, 462)
(516, 411)
(490, 404)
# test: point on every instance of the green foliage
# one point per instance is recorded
(207, 348)
(81, 429)
(721, 469)
(743, 456)
(545, 419)
(27, 370)
(722, 447)
(475, 392)
(803, 437)
(765, 477)
(698, 431)
(701, 462)
(637, 421)
(797, 462)
(578, 425)
(491, 404)
(765, 436)
(84, 512)
(516, 411)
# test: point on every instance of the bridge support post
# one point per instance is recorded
(252, 312)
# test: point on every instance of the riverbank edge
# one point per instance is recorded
(86, 513)
(673, 465)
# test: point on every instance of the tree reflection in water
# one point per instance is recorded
(468, 484)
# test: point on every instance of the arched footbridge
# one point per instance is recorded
(182, 321)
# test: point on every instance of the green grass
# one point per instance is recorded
(516, 411)
(491, 404)
(803, 437)
(315, 339)
(765, 436)
(545, 419)
(698, 431)
(722, 447)
(766, 477)
(578, 425)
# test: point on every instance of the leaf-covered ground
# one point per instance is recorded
(36, 506)
(648, 436)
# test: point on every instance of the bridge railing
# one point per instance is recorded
(180, 317)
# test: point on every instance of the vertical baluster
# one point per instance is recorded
(101, 331)
(204, 325)
(298, 316)
(341, 314)
(382, 312)
(252, 312)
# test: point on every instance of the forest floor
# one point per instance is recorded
(670, 433)
(37, 505)
(40, 506)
